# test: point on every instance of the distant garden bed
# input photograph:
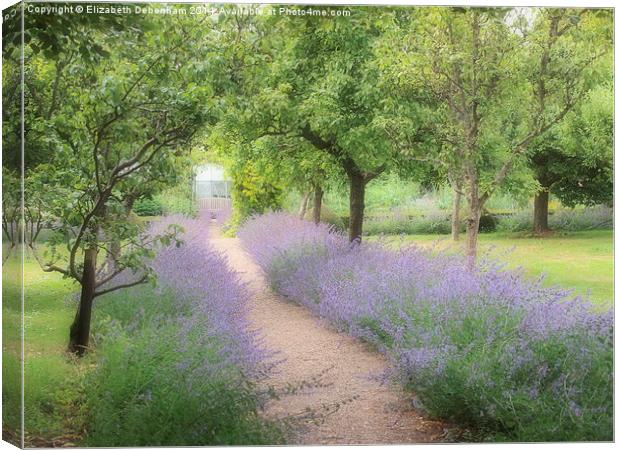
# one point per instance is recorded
(439, 222)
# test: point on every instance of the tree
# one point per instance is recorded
(501, 80)
(257, 136)
(142, 105)
(327, 85)
(11, 211)
(574, 160)
(56, 40)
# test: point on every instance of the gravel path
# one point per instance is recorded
(341, 402)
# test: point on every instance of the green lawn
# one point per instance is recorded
(579, 260)
(52, 378)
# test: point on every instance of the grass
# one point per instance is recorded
(51, 391)
(59, 410)
(581, 260)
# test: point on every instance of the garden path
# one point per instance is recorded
(352, 405)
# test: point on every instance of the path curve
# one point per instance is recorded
(366, 411)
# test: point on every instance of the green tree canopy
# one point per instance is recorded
(498, 79)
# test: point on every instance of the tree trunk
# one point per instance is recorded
(541, 211)
(356, 206)
(318, 200)
(80, 328)
(129, 202)
(473, 222)
(303, 207)
(456, 214)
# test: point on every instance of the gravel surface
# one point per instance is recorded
(329, 383)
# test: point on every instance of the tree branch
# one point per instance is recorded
(122, 286)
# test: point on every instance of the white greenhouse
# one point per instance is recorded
(212, 188)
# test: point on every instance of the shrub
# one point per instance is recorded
(488, 223)
(177, 200)
(337, 222)
(148, 207)
(519, 221)
(485, 347)
(591, 218)
(177, 363)
(327, 216)
(223, 216)
(433, 222)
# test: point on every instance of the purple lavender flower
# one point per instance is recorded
(199, 279)
(487, 343)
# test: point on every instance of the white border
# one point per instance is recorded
(551, 3)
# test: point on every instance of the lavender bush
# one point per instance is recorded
(431, 222)
(591, 218)
(223, 216)
(487, 348)
(178, 361)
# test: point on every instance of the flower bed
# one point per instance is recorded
(487, 348)
(177, 363)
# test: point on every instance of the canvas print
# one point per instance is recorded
(272, 224)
